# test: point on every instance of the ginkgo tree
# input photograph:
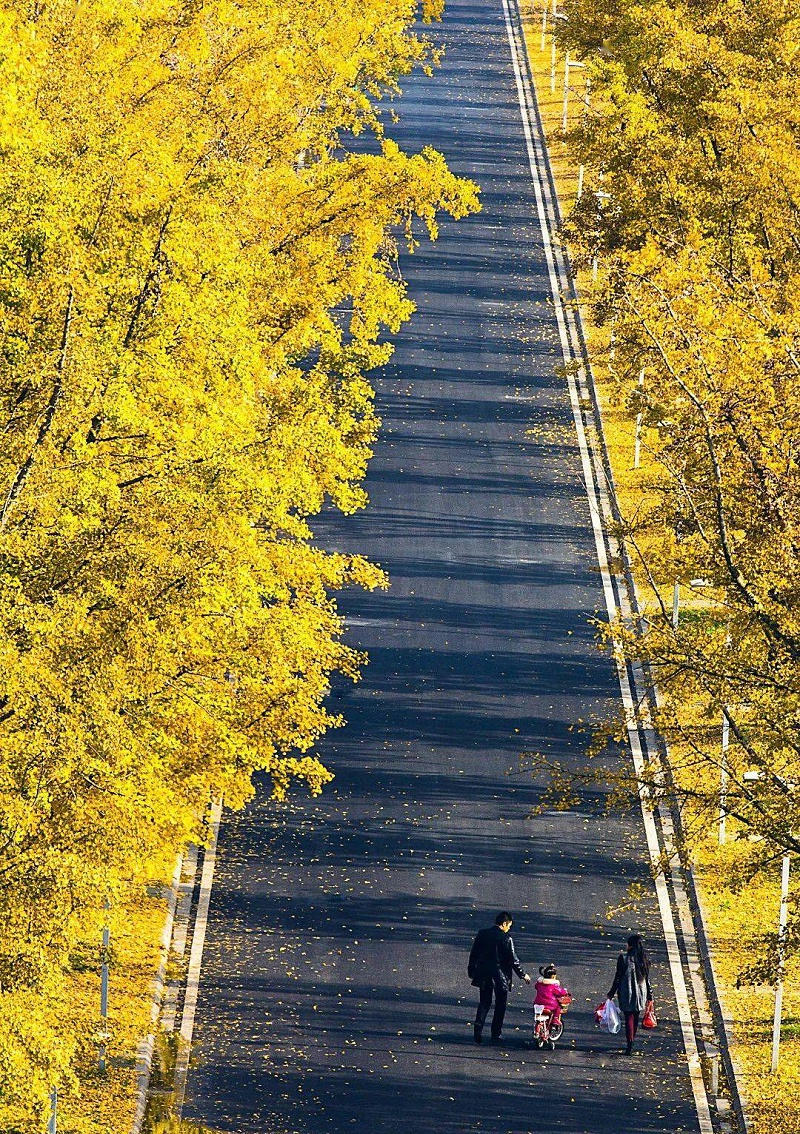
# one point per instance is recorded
(691, 205)
(198, 268)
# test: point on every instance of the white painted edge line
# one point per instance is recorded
(726, 1037)
(196, 961)
(180, 932)
(147, 1046)
(566, 323)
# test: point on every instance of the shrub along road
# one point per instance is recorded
(334, 993)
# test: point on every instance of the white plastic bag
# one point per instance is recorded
(610, 1018)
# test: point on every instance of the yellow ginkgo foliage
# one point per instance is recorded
(692, 209)
(199, 211)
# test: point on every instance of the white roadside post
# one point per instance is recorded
(554, 15)
(579, 194)
(104, 997)
(782, 933)
(724, 766)
(676, 597)
(637, 440)
(565, 109)
(600, 195)
(783, 920)
(724, 774)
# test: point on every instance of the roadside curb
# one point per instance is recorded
(722, 1017)
(147, 1047)
(192, 983)
(175, 995)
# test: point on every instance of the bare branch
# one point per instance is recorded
(46, 423)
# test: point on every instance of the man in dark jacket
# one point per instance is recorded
(492, 963)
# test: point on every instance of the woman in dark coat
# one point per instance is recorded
(632, 986)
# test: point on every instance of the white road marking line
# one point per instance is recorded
(568, 335)
(195, 962)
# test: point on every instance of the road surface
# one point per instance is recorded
(334, 994)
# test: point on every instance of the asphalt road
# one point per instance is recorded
(334, 993)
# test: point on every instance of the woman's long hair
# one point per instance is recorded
(640, 959)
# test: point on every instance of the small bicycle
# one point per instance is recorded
(545, 1032)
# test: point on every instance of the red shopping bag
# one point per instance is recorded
(649, 1019)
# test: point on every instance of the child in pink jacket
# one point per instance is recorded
(548, 991)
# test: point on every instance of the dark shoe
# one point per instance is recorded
(477, 1032)
(496, 1039)
(629, 1049)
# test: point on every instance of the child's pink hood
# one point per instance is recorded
(548, 990)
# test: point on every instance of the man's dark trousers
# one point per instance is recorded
(500, 1002)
